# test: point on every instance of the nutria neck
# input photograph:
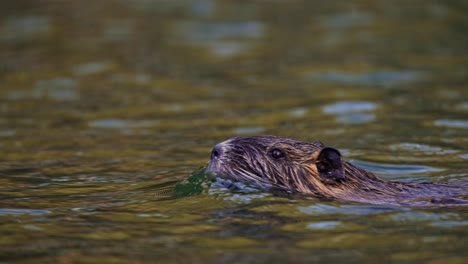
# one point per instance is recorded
(363, 186)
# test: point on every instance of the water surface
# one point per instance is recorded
(106, 106)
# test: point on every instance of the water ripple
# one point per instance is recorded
(15, 211)
(452, 123)
(325, 225)
(430, 150)
(352, 112)
(346, 107)
(382, 78)
(60, 89)
(21, 28)
(249, 130)
(421, 216)
(346, 20)
(221, 38)
(395, 169)
(450, 223)
(115, 123)
(319, 209)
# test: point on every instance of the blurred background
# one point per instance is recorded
(101, 100)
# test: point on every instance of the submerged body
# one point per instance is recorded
(312, 169)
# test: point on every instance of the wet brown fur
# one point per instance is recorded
(249, 160)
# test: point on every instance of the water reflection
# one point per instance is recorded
(298, 112)
(249, 130)
(118, 30)
(422, 216)
(356, 112)
(61, 89)
(379, 78)
(324, 225)
(107, 107)
(319, 209)
(449, 224)
(346, 20)
(452, 123)
(92, 68)
(389, 169)
(123, 124)
(25, 28)
(222, 39)
(425, 149)
(10, 211)
(349, 107)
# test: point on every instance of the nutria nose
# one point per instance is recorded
(217, 152)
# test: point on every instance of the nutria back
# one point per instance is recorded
(313, 169)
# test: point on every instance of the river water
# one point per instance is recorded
(108, 107)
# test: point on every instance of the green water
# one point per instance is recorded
(106, 105)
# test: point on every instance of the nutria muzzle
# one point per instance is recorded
(312, 169)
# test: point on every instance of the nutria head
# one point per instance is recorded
(312, 169)
(271, 162)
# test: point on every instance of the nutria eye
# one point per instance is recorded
(277, 154)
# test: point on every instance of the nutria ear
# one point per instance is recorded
(330, 165)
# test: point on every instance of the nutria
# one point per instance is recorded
(312, 169)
